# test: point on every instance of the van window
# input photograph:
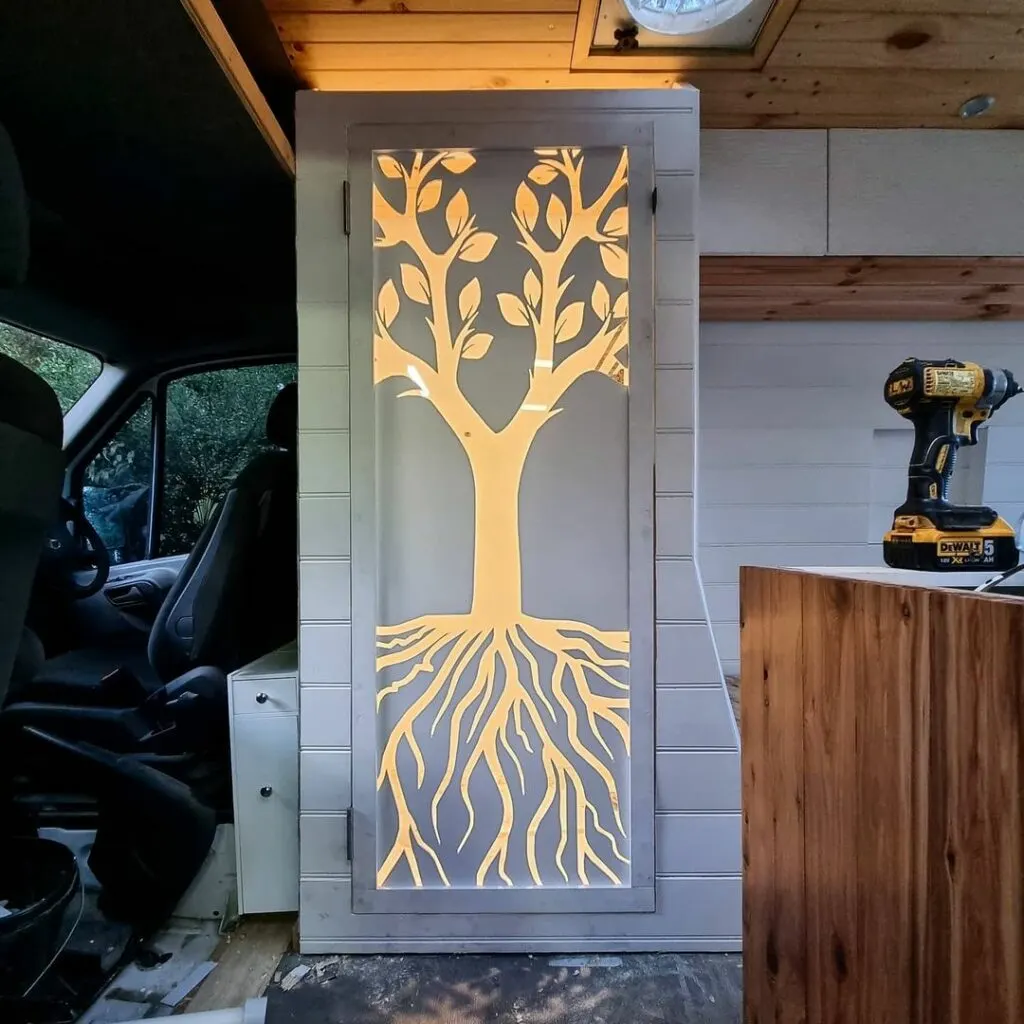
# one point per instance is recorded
(68, 370)
(215, 425)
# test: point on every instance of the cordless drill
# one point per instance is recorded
(947, 402)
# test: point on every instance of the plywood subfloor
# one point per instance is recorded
(246, 962)
(655, 989)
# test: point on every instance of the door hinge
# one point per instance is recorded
(654, 200)
(348, 834)
(346, 208)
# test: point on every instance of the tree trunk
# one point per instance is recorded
(497, 466)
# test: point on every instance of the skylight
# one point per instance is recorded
(683, 17)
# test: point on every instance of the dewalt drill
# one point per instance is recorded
(947, 402)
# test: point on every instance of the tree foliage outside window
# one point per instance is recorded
(216, 423)
(68, 370)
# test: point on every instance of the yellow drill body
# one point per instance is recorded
(947, 401)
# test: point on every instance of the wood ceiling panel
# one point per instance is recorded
(756, 288)
(799, 98)
(824, 40)
(451, 29)
(915, 6)
(889, 63)
(425, 6)
(347, 57)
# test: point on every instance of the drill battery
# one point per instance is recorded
(915, 543)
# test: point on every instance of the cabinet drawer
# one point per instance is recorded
(266, 783)
(250, 696)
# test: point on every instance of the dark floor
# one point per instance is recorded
(641, 989)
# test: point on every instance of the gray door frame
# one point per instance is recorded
(635, 131)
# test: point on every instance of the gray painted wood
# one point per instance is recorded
(687, 843)
(638, 894)
(698, 780)
(930, 193)
(691, 716)
(325, 719)
(710, 906)
(692, 912)
(325, 779)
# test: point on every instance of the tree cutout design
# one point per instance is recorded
(479, 676)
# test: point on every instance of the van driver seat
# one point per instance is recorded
(31, 472)
(236, 597)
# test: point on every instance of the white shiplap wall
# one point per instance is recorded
(800, 459)
(874, 193)
(697, 763)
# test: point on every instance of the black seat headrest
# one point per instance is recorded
(14, 221)
(283, 417)
(28, 403)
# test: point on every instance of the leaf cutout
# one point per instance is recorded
(621, 309)
(513, 310)
(388, 303)
(458, 163)
(617, 224)
(615, 261)
(600, 300)
(389, 166)
(478, 248)
(558, 219)
(531, 288)
(477, 346)
(429, 197)
(527, 207)
(543, 174)
(570, 322)
(415, 284)
(457, 213)
(469, 299)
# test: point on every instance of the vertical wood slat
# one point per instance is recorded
(771, 714)
(912, 838)
(830, 811)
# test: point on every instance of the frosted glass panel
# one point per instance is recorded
(501, 393)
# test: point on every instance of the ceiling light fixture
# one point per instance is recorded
(683, 17)
(976, 106)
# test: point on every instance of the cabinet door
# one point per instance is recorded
(502, 561)
(267, 812)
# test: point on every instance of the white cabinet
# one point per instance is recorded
(263, 701)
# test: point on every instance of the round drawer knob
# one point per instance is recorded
(262, 698)
(265, 791)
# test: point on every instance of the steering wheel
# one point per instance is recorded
(72, 546)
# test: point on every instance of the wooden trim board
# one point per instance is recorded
(246, 961)
(204, 16)
(757, 288)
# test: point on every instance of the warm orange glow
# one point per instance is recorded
(470, 666)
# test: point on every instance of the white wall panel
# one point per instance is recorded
(926, 193)
(764, 192)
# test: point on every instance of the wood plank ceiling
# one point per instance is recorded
(836, 64)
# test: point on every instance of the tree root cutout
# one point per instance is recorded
(475, 691)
